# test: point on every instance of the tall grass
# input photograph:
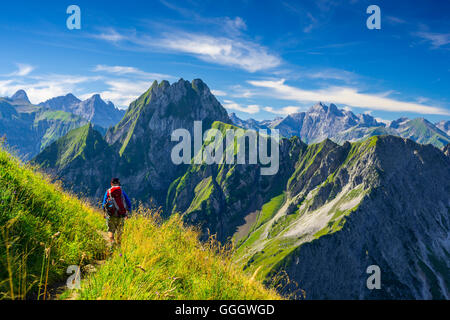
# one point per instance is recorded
(166, 260)
(42, 231)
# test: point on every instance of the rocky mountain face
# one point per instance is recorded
(321, 122)
(247, 124)
(383, 201)
(82, 150)
(141, 141)
(219, 197)
(94, 109)
(444, 126)
(28, 128)
(446, 150)
(65, 103)
(20, 97)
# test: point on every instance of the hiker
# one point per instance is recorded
(116, 206)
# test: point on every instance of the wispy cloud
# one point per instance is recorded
(346, 96)
(121, 92)
(119, 84)
(437, 40)
(231, 105)
(224, 51)
(41, 88)
(219, 93)
(232, 51)
(313, 23)
(331, 74)
(394, 20)
(283, 111)
(131, 71)
(110, 35)
(22, 70)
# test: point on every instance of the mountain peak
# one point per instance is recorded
(20, 95)
(320, 106)
(96, 97)
(396, 123)
(199, 86)
(164, 84)
(70, 95)
(334, 109)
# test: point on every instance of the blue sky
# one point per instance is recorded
(262, 59)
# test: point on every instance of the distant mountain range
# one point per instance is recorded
(94, 109)
(331, 211)
(30, 128)
(321, 122)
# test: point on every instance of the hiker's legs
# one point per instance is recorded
(119, 230)
(115, 227)
(112, 228)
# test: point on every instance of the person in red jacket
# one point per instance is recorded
(117, 207)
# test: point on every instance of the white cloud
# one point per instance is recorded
(332, 74)
(239, 91)
(110, 35)
(132, 71)
(345, 95)
(41, 88)
(394, 20)
(234, 26)
(386, 122)
(235, 106)
(219, 93)
(230, 50)
(22, 70)
(347, 108)
(437, 39)
(283, 111)
(123, 92)
(224, 51)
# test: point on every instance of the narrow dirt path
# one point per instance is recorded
(59, 288)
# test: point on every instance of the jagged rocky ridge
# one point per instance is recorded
(384, 201)
(321, 122)
(94, 109)
(28, 128)
(444, 126)
(140, 144)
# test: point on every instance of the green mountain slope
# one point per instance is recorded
(140, 144)
(423, 131)
(382, 201)
(29, 129)
(43, 230)
(81, 149)
(218, 197)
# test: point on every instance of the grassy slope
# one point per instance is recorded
(266, 244)
(32, 212)
(167, 261)
(157, 260)
(422, 131)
